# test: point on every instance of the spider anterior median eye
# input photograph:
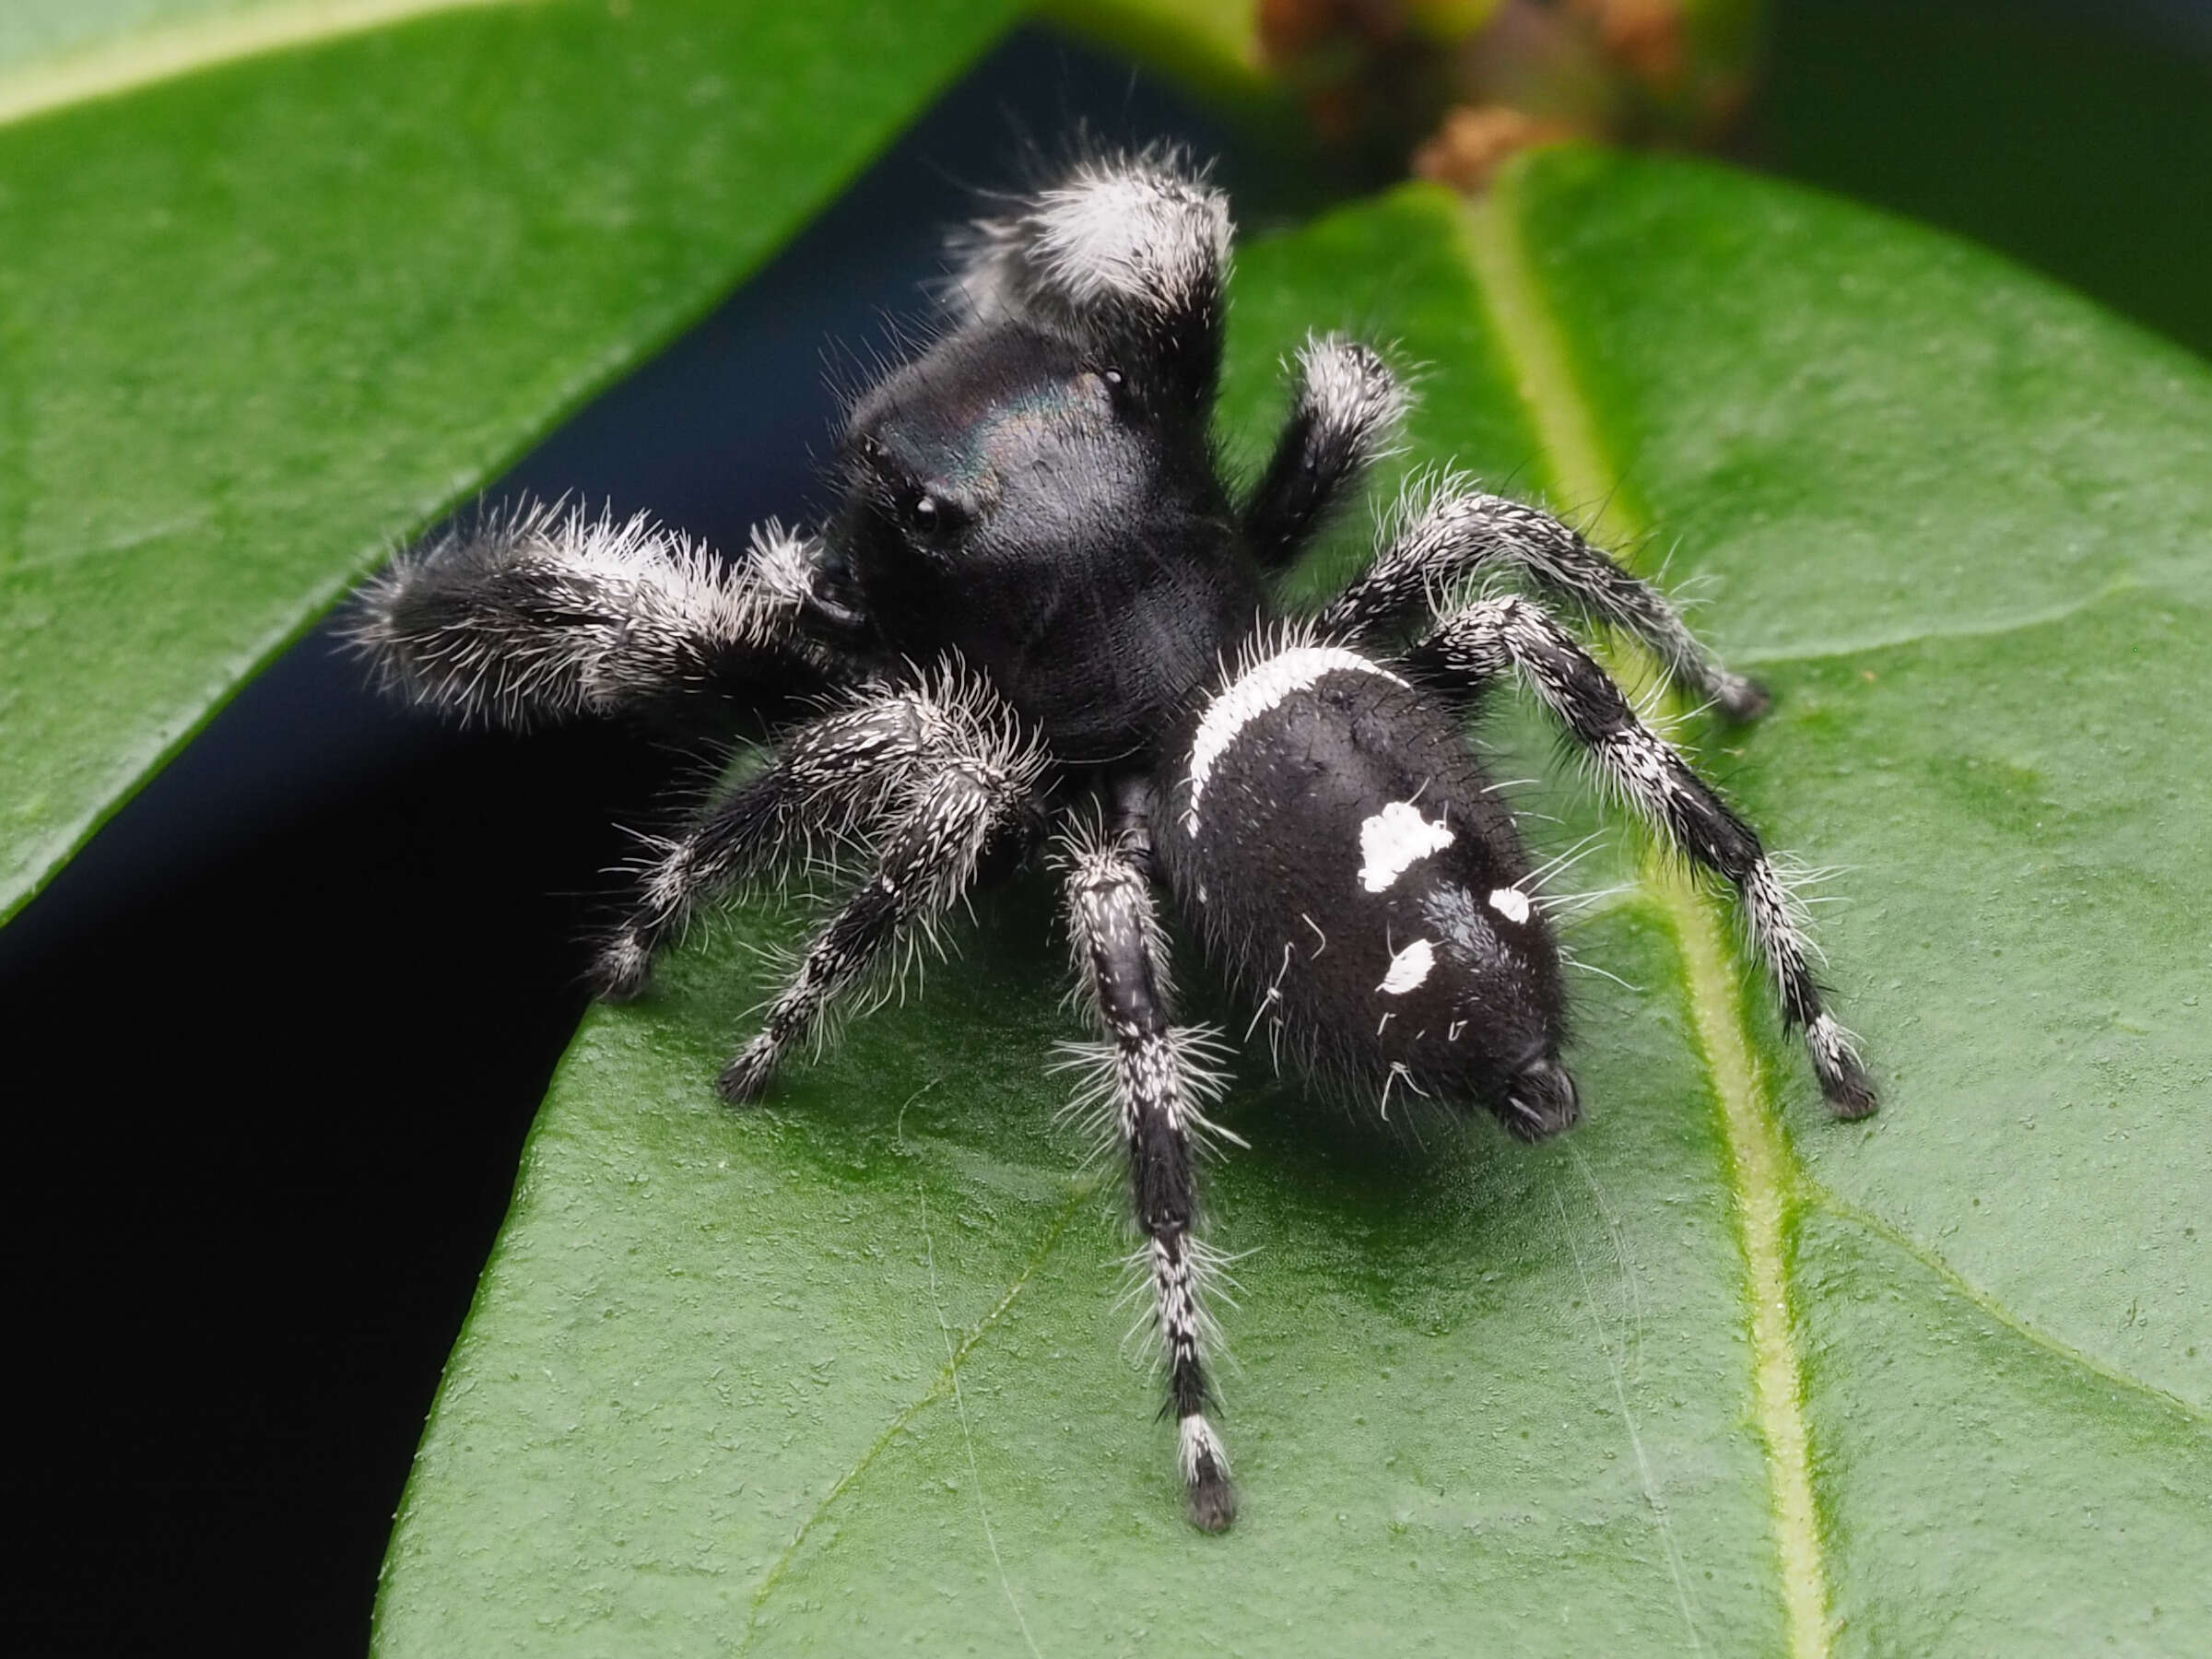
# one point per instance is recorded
(925, 513)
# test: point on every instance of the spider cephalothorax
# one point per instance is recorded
(1009, 498)
(1040, 612)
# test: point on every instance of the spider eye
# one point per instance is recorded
(932, 518)
(1112, 377)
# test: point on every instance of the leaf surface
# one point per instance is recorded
(1711, 1374)
(279, 284)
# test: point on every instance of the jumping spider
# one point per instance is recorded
(1039, 611)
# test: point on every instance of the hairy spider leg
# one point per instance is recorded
(1347, 409)
(838, 775)
(1156, 1076)
(1483, 641)
(977, 787)
(1127, 254)
(1458, 534)
(544, 613)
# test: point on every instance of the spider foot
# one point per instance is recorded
(745, 1079)
(621, 970)
(1741, 699)
(1206, 1468)
(1844, 1081)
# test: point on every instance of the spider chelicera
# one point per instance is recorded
(1040, 613)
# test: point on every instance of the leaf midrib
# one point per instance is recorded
(1761, 1171)
(141, 57)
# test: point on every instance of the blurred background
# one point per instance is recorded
(239, 1327)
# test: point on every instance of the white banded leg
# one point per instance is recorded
(1492, 637)
(976, 785)
(1153, 1077)
(836, 774)
(542, 613)
(1461, 532)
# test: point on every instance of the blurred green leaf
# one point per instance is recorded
(2072, 138)
(261, 319)
(1214, 44)
(1711, 1374)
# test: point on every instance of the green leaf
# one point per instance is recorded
(280, 282)
(1713, 1373)
(2078, 146)
(1213, 44)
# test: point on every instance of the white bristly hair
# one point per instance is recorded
(1261, 686)
(644, 607)
(1348, 389)
(1134, 230)
(1195, 1442)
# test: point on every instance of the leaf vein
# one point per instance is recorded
(1994, 629)
(144, 56)
(940, 1385)
(1816, 1191)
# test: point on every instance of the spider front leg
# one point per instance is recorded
(1346, 413)
(1461, 533)
(1155, 1076)
(1486, 640)
(544, 613)
(977, 783)
(1128, 253)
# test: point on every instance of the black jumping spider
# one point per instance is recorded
(1039, 611)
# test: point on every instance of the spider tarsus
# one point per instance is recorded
(1213, 1499)
(622, 970)
(1849, 1091)
(1844, 1079)
(745, 1079)
(1742, 698)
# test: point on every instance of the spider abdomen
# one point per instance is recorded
(1342, 850)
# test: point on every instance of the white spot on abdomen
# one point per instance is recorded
(1393, 839)
(1409, 968)
(1252, 694)
(1510, 902)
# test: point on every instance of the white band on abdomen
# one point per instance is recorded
(1252, 694)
